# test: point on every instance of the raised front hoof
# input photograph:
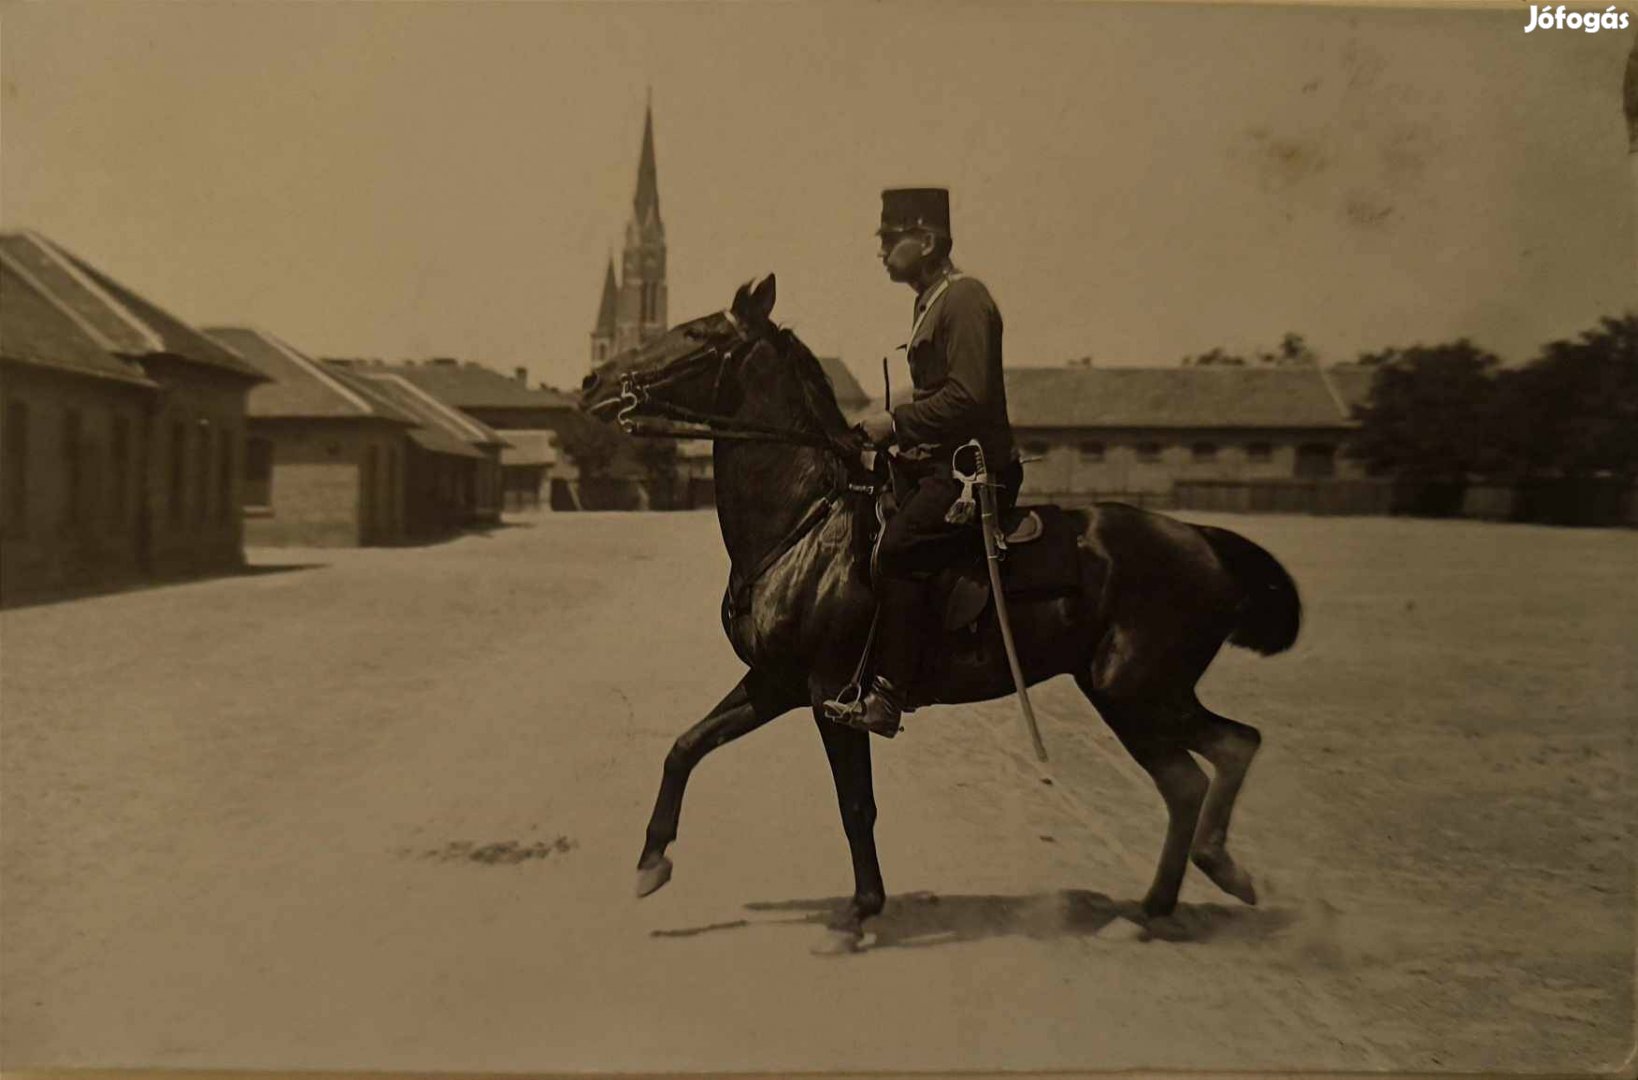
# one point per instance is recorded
(652, 875)
(1226, 874)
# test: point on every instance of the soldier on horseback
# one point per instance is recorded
(955, 364)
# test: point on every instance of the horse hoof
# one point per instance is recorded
(840, 942)
(651, 878)
(1226, 874)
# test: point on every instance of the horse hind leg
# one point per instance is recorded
(1144, 727)
(746, 707)
(1230, 747)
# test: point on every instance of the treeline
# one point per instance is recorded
(1448, 412)
(1561, 429)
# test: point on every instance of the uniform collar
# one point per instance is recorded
(937, 286)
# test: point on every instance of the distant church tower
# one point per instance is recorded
(633, 309)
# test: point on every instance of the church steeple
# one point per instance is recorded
(603, 334)
(639, 304)
(647, 201)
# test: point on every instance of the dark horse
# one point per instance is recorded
(1157, 599)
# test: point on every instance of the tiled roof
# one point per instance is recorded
(527, 447)
(132, 325)
(1351, 383)
(442, 430)
(36, 329)
(1193, 397)
(471, 385)
(301, 387)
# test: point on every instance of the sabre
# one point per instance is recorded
(988, 525)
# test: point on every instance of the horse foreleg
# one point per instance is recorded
(748, 706)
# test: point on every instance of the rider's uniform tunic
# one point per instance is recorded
(955, 364)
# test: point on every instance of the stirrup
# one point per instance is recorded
(847, 707)
(855, 711)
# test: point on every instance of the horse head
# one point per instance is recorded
(687, 367)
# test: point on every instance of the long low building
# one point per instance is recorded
(123, 431)
(454, 466)
(1134, 434)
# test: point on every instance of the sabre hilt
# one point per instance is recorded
(962, 510)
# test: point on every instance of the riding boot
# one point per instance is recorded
(897, 656)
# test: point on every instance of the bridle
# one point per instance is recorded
(678, 422)
(636, 392)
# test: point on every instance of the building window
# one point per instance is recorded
(179, 450)
(1148, 451)
(73, 466)
(1259, 451)
(224, 481)
(119, 470)
(201, 476)
(1204, 451)
(1035, 448)
(16, 469)
(1092, 451)
(258, 472)
(1316, 460)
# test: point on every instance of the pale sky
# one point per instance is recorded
(1133, 182)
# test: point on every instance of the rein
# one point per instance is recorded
(635, 393)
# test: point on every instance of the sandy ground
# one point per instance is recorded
(380, 809)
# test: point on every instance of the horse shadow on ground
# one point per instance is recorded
(922, 920)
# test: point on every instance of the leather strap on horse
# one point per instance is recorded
(816, 513)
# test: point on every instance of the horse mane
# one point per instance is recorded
(817, 392)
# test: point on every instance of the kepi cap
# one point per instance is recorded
(916, 208)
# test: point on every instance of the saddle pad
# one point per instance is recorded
(1044, 567)
(1048, 566)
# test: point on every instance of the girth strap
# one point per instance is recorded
(816, 513)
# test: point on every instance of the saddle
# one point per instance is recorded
(1038, 561)
(1038, 556)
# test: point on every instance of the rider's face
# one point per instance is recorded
(903, 253)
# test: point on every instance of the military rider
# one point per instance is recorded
(955, 364)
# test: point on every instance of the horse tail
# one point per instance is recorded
(1271, 611)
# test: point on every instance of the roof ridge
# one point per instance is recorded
(318, 369)
(155, 343)
(51, 298)
(1336, 395)
(461, 420)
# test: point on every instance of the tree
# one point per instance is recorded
(1292, 350)
(1216, 357)
(1573, 410)
(1430, 416)
(658, 458)
(592, 445)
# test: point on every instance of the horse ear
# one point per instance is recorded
(741, 305)
(763, 294)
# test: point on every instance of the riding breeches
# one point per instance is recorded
(918, 541)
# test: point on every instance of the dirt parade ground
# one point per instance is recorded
(380, 809)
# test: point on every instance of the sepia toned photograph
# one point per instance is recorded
(720, 538)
